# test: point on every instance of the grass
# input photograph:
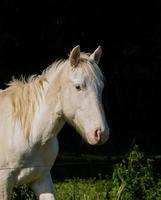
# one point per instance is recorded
(71, 189)
(80, 189)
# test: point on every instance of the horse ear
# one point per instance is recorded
(74, 56)
(96, 55)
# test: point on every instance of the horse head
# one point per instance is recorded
(82, 95)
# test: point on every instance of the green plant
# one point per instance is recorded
(133, 178)
(70, 189)
(79, 189)
(23, 192)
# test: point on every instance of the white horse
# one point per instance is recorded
(32, 113)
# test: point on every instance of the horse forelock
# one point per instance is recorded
(91, 68)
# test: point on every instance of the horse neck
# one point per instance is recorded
(55, 79)
(50, 117)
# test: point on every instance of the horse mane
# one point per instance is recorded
(27, 94)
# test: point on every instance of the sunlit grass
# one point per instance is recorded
(80, 189)
(70, 189)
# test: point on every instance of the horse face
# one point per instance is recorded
(82, 104)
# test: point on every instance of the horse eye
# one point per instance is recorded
(78, 87)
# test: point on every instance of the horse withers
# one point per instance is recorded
(32, 113)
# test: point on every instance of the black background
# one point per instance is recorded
(34, 34)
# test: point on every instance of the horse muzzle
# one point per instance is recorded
(98, 136)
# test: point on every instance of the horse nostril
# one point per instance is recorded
(98, 134)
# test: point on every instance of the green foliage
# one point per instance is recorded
(133, 179)
(79, 189)
(23, 192)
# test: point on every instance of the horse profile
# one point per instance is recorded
(32, 113)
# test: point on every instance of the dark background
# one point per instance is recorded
(34, 34)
